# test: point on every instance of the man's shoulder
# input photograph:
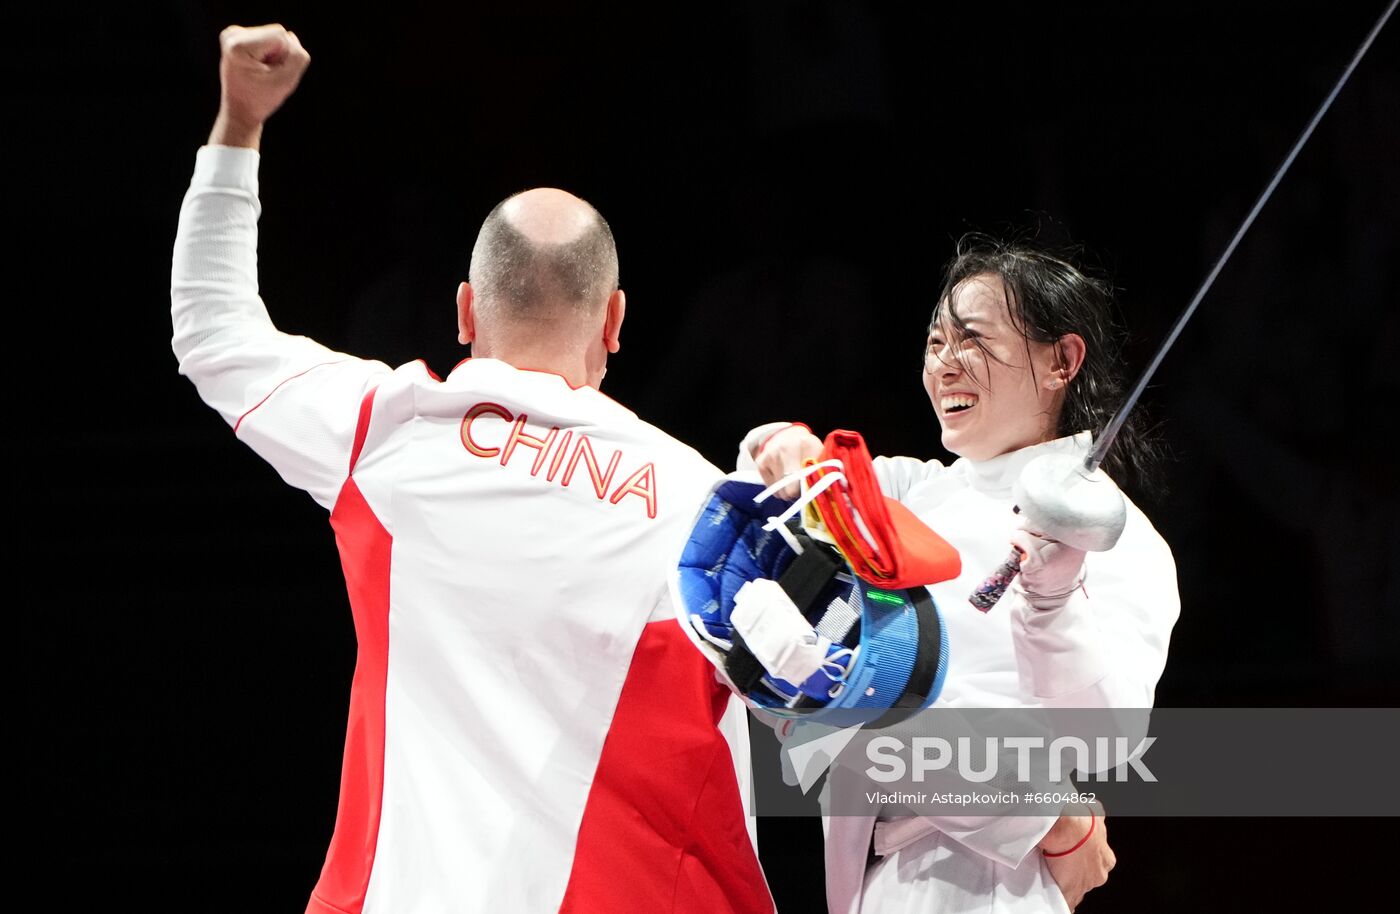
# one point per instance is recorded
(679, 455)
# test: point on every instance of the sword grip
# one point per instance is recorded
(986, 596)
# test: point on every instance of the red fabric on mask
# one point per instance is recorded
(905, 552)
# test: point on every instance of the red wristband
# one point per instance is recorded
(801, 425)
(1080, 843)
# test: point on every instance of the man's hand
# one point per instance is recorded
(258, 69)
(1087, 866)
(784, 453)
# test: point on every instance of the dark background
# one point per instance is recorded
(784, 181)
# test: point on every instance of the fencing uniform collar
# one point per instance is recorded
(996, 475)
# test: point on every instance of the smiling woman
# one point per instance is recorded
(1025, 338)
(1021, 361)
(993, 389)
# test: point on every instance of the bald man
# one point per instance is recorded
(529, 728)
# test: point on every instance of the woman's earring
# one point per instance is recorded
(1054, 383)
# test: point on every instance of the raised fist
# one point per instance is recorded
(258, 69)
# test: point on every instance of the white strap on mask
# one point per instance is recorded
(808, 492)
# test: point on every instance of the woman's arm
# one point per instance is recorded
(777, 449)
(1105, 645)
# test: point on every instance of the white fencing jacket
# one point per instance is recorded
(1106, 647)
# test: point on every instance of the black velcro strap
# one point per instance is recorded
(925, 671)
(807, 576)
(742, 667)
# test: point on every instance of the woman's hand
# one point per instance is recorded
(1050, 570)
(1085, 867)
(784, 452)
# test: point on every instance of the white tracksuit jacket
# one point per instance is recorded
(530, 730)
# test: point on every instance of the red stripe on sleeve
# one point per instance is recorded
(279, 387)
(362, 427)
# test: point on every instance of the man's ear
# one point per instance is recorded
(612, 322)
(466, 319)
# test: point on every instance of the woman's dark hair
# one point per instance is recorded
(1048, 296)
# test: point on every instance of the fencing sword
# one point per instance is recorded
(1072, 501)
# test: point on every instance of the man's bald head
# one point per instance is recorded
(543, 255)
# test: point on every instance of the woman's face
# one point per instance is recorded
(1000, 396)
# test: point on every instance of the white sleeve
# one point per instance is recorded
(291, 399)
(897, 475)
(1107, 646)
(1006, 839)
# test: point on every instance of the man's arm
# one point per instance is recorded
(291, 399)
(258, 69)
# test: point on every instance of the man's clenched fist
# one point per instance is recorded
(259, 67)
